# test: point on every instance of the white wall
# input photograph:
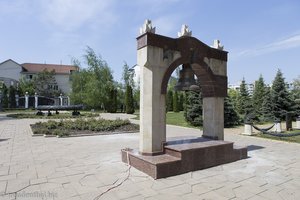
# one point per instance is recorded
(10, 70)
(63, 82)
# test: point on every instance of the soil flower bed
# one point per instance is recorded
(53, 116)
(83, 127)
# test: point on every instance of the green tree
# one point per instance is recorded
(112, 108)
(181, 101)
(92, 86)
(267, 106)
(12, 97)
(244, 106)
(127, 75)
(233, 94)
(129, 104)
(26, 86)
(4, 96)
(45, 84)
(131, 95)
(175, 102)
(258, 95)
(295, 93)
(169, 100)
(193, 111)
(231, 118)
(280, 96)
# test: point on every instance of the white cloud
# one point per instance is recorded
(69, 15)
(284, 44)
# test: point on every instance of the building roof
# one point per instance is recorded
(9, 60)
(58, 69)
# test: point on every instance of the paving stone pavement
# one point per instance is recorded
(82, 168)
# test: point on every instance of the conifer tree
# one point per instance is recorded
(169, 100)
(280, 96)
(244, 106)
(193, 110)
(129, 103)
(181, 101)
(258, 95)
(175, 102)
(4, 96)
(231, 117)
(12, 97)
(113, 103)
(267, 106)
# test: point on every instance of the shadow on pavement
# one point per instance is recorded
(254, 147)
(2, 140)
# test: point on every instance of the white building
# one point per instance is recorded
(11, 72)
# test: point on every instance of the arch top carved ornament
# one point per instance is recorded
(208, 63)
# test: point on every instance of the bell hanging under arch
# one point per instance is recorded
(186, 79)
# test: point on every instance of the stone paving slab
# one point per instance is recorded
(83, 168)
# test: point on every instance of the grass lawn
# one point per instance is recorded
(174, 118)
(287, 139)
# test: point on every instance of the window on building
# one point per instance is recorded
(29, 76)
(52, 87)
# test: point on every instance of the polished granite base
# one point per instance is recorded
(183, 155)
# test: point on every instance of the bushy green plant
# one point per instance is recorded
(63, 127)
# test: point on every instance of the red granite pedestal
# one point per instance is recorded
(184, 155)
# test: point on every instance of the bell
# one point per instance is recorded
(186, 79)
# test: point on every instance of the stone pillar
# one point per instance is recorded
(69, 103)
(61, 100)
(248, 129)
(17, 100)
(36, 100)
(26, 100)
(298, 122)
(213, 117)
(152, 102)
(277, 126)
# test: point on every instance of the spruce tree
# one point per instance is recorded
(12, 97)
(258, 95)
(129, 103)
(295, 93)
(169, 100)
(231, 117)
(175, 102)
(267, 107)
(280, 96)
(244, 106)
(193, 111)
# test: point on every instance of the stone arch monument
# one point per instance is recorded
(158, 56)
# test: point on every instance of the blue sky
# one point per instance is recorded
(260, 36)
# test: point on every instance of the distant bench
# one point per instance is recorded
(74, 108)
